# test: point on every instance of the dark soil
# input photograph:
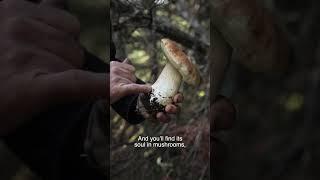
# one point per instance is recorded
(153, 107)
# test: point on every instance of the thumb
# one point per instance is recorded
(55, 3)
(74, 86)
(133, 88)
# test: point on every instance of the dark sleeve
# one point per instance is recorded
(126, 108)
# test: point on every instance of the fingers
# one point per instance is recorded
(131, 78)
(178, 98)
(222, 113)
(119, 72)
(172, 109)
(72, 86)
(129, 89)
(162, 117)
(123, 70)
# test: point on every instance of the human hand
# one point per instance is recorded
(123, 81)
(170, 109)
(40, 61)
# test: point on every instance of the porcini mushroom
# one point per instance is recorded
(178, 68)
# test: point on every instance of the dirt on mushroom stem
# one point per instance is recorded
(151, 104)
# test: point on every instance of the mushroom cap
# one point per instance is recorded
(181, 62)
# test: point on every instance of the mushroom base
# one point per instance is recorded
(151, 104)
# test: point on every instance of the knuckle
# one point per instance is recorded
(116, 70)
(113, 70)
(115, 79)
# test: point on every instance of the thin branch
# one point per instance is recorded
(165, 29)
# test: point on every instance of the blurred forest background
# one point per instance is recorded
(276, 132)
(276, 135)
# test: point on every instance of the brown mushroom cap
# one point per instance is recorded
(181, 62)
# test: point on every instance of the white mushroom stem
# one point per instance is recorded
(166, 86)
